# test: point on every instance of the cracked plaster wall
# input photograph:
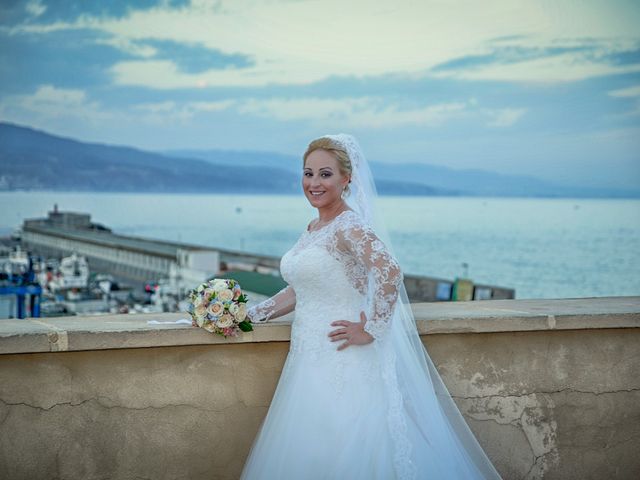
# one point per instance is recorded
(549, 404)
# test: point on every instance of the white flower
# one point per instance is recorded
(225, 295)
(242, 312)
(225, 321)
(200, 310)
(200, 288)
(233, 309)
(197, 301)
(215, 309)
(219, 285)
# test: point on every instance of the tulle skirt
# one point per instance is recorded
(330, 420)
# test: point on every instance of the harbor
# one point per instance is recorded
(76, 266)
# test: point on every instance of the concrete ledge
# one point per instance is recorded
(103, 332)
(492, 316)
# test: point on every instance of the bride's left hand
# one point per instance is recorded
(352, 332)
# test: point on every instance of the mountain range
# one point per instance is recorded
(35, 160)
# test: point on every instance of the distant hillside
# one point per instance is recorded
(35, 160)
(434, 179)
(290, 163)
(483, 182)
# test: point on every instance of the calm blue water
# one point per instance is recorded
(544, 248)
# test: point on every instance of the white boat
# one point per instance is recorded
(16, 263)
(73, 272)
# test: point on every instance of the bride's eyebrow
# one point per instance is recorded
(320, 169)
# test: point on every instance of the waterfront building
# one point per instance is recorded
(133, 258)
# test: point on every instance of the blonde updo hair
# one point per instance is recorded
(338, 151)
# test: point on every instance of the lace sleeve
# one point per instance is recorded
(280, 304)
(383, 273)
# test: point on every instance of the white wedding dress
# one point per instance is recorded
(341, 414)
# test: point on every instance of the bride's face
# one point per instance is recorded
(322, 180)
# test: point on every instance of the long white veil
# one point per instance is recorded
(411, 377)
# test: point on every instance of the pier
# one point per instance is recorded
(184, 265)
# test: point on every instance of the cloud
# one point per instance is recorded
(564, 61)
(51, 104)
(49, 99)
(166, 75)
(626, 92)
(178, 58)
(194, 58)
(507, 54)
(629, 94)
(523, 42)
(168, 112)
(64, 58)
(35, 8)
(280, 109)
(59, 111)
(349, 112)
(505, 117)
(71, 10)
(374, 112)
(128, 47)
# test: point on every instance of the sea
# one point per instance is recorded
(541, 247)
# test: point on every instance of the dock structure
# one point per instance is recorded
(133, 258)
(140, 259)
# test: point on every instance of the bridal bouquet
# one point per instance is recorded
(219, 306)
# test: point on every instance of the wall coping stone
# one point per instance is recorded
(100, 332)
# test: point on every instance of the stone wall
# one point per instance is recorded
(551, 388)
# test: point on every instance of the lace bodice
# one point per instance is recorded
(342, 266)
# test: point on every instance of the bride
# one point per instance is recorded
(358, 397)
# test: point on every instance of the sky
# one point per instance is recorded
(547, 88)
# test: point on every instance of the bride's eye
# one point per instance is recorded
(326, 174)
